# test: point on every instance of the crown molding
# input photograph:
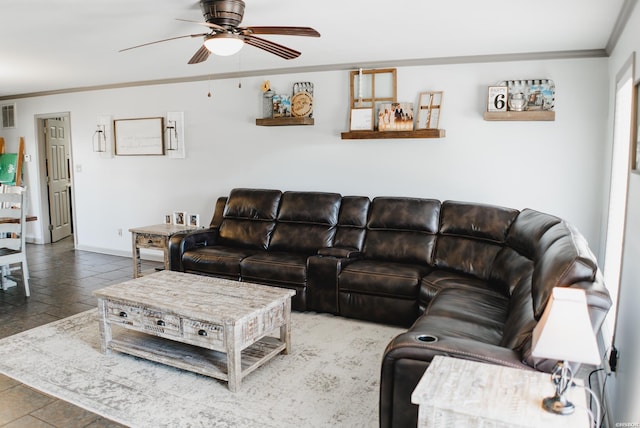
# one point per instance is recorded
(469, 59)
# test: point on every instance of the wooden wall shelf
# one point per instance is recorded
(285, 121)
(537, 115)
(369, 135)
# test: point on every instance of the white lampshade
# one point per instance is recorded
(564, 331)
(224, 44)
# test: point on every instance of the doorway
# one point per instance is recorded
(54, 147)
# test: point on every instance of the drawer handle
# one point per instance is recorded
(202, 332)
(160, 323)
(123, 314)
(150, 241)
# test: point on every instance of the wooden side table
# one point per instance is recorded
(154, 237)
(463, 393)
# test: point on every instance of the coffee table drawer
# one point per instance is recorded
(161, 323)
(123, 314)
(203, 334)
(150, 241)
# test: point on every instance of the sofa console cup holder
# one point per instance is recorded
(427, 338)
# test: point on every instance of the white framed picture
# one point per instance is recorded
(180, 218)
(497, 99)
(361, 119)
(168, 219)
(194, 220)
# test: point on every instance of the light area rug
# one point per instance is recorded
(330, 378)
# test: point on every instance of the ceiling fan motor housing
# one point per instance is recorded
(223, 12)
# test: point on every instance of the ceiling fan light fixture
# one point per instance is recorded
(224, 44)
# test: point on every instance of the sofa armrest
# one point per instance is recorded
(406, 358)
(416, 346)
(181, 242)
(340, 252)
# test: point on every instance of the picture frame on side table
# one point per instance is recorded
(497, 99)
(180, 218)
(194, 220)
(168, 219)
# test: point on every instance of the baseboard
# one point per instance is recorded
(152, 255)
(101, 250)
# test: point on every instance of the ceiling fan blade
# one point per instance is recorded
(160, 41)
(271, 47)
(286, 31)
(206, 24)
(201, 55)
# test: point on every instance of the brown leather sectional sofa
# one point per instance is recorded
(468, 280)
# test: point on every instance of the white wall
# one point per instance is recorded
(623, 387)
(550, 166)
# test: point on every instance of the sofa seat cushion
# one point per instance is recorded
(382, 278)
(215, 260)
(452, 313)
(275, 267)
(439, 279)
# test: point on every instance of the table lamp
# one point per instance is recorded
(564, 333)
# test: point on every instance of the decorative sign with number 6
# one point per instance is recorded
(497, 98)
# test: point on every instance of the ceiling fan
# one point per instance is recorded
(225, 37)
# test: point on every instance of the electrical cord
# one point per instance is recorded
(593, 421)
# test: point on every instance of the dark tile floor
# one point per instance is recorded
(62, 282)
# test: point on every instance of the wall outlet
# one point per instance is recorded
(613, 359)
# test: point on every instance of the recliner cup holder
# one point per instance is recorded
(426, 338)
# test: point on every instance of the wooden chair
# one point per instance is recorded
(13, 233)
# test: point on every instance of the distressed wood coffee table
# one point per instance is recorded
(216, 327)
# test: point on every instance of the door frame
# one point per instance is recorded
(42, 176)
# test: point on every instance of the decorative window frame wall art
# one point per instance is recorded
(141, 136)
(369, 89)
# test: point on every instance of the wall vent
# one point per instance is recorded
(8, 115)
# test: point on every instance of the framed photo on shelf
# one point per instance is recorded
(168, 219)
(281, 105)
(497, 99)
(429, 107)
(180, 218)
(361, 119)
(194, 220)
(395, 117)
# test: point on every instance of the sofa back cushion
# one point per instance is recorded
(306, 222)
(471, 236)
(564, 259)
(352, 222)
(249, 218)
(402, 229)
(527, 229)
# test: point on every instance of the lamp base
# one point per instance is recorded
(558, 405)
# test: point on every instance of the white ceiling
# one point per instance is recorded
(51, 45)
